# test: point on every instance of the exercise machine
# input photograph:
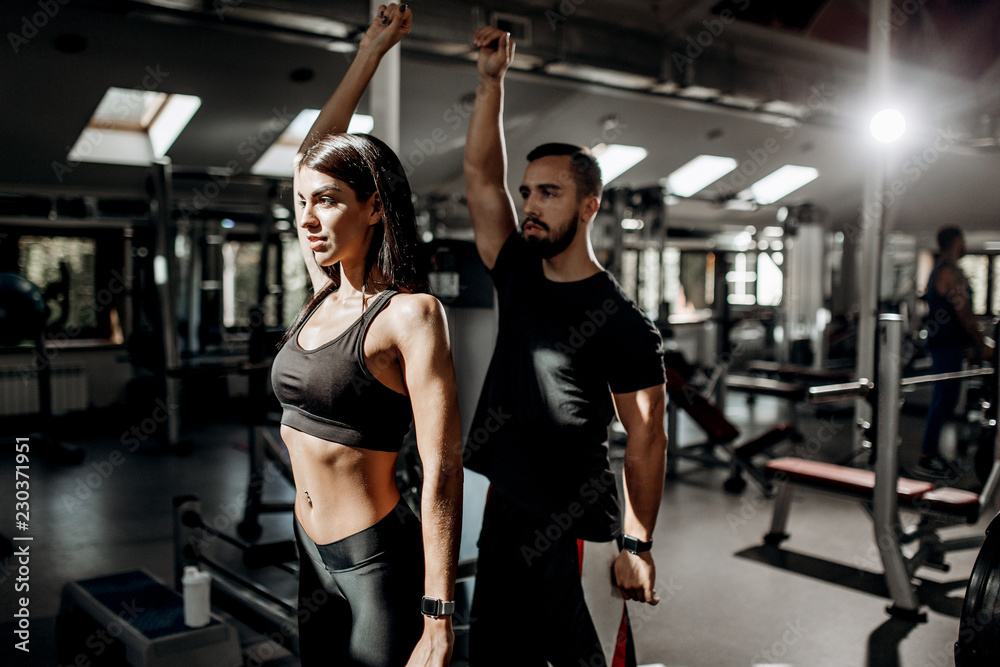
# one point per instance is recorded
(259, 607)
(262, 415)
(181, 341)
(882, 491)
(789, 383)
(22, 317)
(720, 433)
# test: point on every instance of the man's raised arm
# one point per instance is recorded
(490, 203)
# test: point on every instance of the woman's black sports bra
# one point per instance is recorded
(328, 392)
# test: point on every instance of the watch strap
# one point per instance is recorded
(635, 545)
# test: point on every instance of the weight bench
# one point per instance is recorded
(938, 507)
(720, 432)
(882, 491)
(860, 484)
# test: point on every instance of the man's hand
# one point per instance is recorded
(634, 575)
(496, 51)
(435, 645)
(390, 26)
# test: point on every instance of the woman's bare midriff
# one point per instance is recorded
(339, 490)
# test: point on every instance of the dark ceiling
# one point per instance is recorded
(725, 78)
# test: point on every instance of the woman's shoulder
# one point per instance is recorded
(413, 309)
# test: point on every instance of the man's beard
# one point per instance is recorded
(550, 247)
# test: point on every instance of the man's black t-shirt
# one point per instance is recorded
(540, 430)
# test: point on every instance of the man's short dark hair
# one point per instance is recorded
(586, 171)
(947, 236)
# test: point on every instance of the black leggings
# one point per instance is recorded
(359, 597)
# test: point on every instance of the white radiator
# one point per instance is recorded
(19, 390)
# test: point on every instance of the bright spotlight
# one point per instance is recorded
(888, 125)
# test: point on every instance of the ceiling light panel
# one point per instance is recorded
(616, 159)
(698, 174)
(782, 182)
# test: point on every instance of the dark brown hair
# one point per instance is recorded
(370, 167)
(586, 171)
(947, 236)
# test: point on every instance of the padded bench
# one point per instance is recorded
(861, 484)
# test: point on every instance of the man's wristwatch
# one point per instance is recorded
(635, 545)
(436, 607)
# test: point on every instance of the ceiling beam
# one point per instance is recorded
(686, 16)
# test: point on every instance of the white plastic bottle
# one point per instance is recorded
(197, 596)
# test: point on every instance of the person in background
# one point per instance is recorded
(951, 331)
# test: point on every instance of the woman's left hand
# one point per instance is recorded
(435, 645)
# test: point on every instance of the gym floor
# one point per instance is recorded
(726, 602)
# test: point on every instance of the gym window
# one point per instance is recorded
(977, 270)
(65, 269)
(79, 272)
(241, 275)
(630, 273)
(995, 285)
(770, 280)
(133, 127)
(684, 279)
(741, 280)
(688, 280)
(650, 282)
(294, 279)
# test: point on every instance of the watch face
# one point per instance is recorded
(435, 607)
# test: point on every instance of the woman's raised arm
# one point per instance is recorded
(387, 29)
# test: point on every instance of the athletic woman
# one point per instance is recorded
(368, 352)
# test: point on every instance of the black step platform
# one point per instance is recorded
(146, 617)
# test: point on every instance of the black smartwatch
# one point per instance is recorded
(635, 545)
(436, 607)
